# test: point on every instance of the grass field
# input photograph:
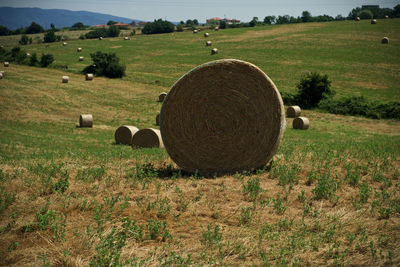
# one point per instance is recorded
(70, 197)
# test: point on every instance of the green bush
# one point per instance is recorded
(33, 61)
(25, 40)
(46, 60)
(365, 14)
(34, 28)
(105, 64)
(112, 31)
(158, 26)
(313, 88)
(49, 37)
(179, 28)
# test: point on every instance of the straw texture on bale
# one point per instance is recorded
(373, 21)
(158, 119)
(214, 51)
(385, 40)
(81, 58)
(221, 117)
(301, 123)
(206, 34)
(79, 49)
(86, 120)
(147, 138)
(89, 76)
(208, 43)
(124, 134)
(6, 64)
(162, 96)
(357, 19)
(293, 112)
(65, 79)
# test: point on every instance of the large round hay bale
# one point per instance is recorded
(357, 19)
(293, 112)
(385, 40)
(221, 117)
(64, 43)
(162, 96)
(158, 119)
(373, 21)
(6, 64)
(301, 123)
(126, 38)
(147, 138)
(89, 76)
(3, 73)
(81, 58)
(216, 28)
(214, 51)
(206, 34)
(100, 38)
(195, 31)
(386, 17)
(124, 134)
(65, 79)
(86, 120)
(208, 43)
(79, 49)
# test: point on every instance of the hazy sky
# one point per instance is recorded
(177, 10)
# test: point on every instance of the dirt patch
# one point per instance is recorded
(116, 46)
(368, 85)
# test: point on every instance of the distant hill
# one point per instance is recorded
(14, 18)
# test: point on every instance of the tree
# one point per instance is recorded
(34, 28)
(312, 88)
(111, 22)
(46, 60)
(195, 22)
(25, 40)
(397, 11)
(105, 64)
(222, 24)
(133, 23)
(49, 37)
(78, 26)
(283, 19)
(269, 19)
(365, 14)
(158, 26)
(4, 31)
(306, 16)
(182, 22)
(113, 31)
(189, 22)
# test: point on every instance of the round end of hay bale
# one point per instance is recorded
(385, 40)
(293, 112)
(357, 19)
(216, 29)
(214, 51)
(147, 138)
(158, 119)
(162, 96)
(206, 34)
(124, 134)
(64, 44)
(86, 120)
(373, 21)
(1, 75)
(301, 123)
(28, 54)
(89, 76)
(208, 43)
(195, 31)
(81, 58)
(79, 49)
(386, 17)
(100, 38)
(65, 79)
(126, 38)
(6, 64)
(221, 117)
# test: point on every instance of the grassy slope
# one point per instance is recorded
(347, 167)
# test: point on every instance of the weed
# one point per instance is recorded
(325, 188)
(198, 197)
(163, 207)
(182, 203)
(132, 229)
(245, 216)
(212, 236)
(6, 199)
(157, 229)
(252, 189)
(91, 174)
(174, 259)
(280, 204)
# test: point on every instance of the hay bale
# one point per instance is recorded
(147, 138)
(208, 43)
(195, 31)
(65, 79)
(206, 34)
(64, 43)
(28, 54)
(216, 28)
(126, 38)
(158, 119)
(89, 76)
(1, 75)
(211, 121)
(293, 112)
(301, 123)
(373, 21)
(79, 49)
(386, 17)
(81, 58)
(357, 19)
(385, 40)
(6, 64)
(162, 96)
(214, 51)
(86, 120)
(124, 134)
(100, 38)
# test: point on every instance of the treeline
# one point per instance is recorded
(37, 28)
(19, 56)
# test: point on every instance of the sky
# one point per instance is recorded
(177, 10)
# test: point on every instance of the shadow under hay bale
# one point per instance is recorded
(385, 40)
(86, 120)
(208, 43)
(147, 138)
(162, 96)
(6, 64)
(89, 76)
(124, 134)
(158, 119)
(65, 79)
(214, 51)
(293, 112)
(301, 123)
(212, 123)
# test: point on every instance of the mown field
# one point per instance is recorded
(70, 197)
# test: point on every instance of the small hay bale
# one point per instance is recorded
(126, 38)
(64, 43)
(100, 38)
(373, 21)
(357, 19)
(206, 34)
(79, 49)
(86, 120)
(162, 96)
(214, 51)
(65, 79)
(1, 75)
(213, 123)
(124, 134)
(28, 54)
(216, 28)
(6, 64)
(208, 43)
(81, 58)
(293, 112)
(195, 31)
(147, 138)
(385, 40)
(89, 76)
(301, 123)
(158, 119)
(386, 17)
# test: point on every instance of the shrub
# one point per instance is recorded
(133, 32)
(82, 37)
(33, 61)
(313, 87)
(365, 14)
(49, 37)
(105, 64)
(46, 60)
(179, 28)
(158, 26)
(222, 24)
(113, 31)
(100, 32)
(25, 40)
